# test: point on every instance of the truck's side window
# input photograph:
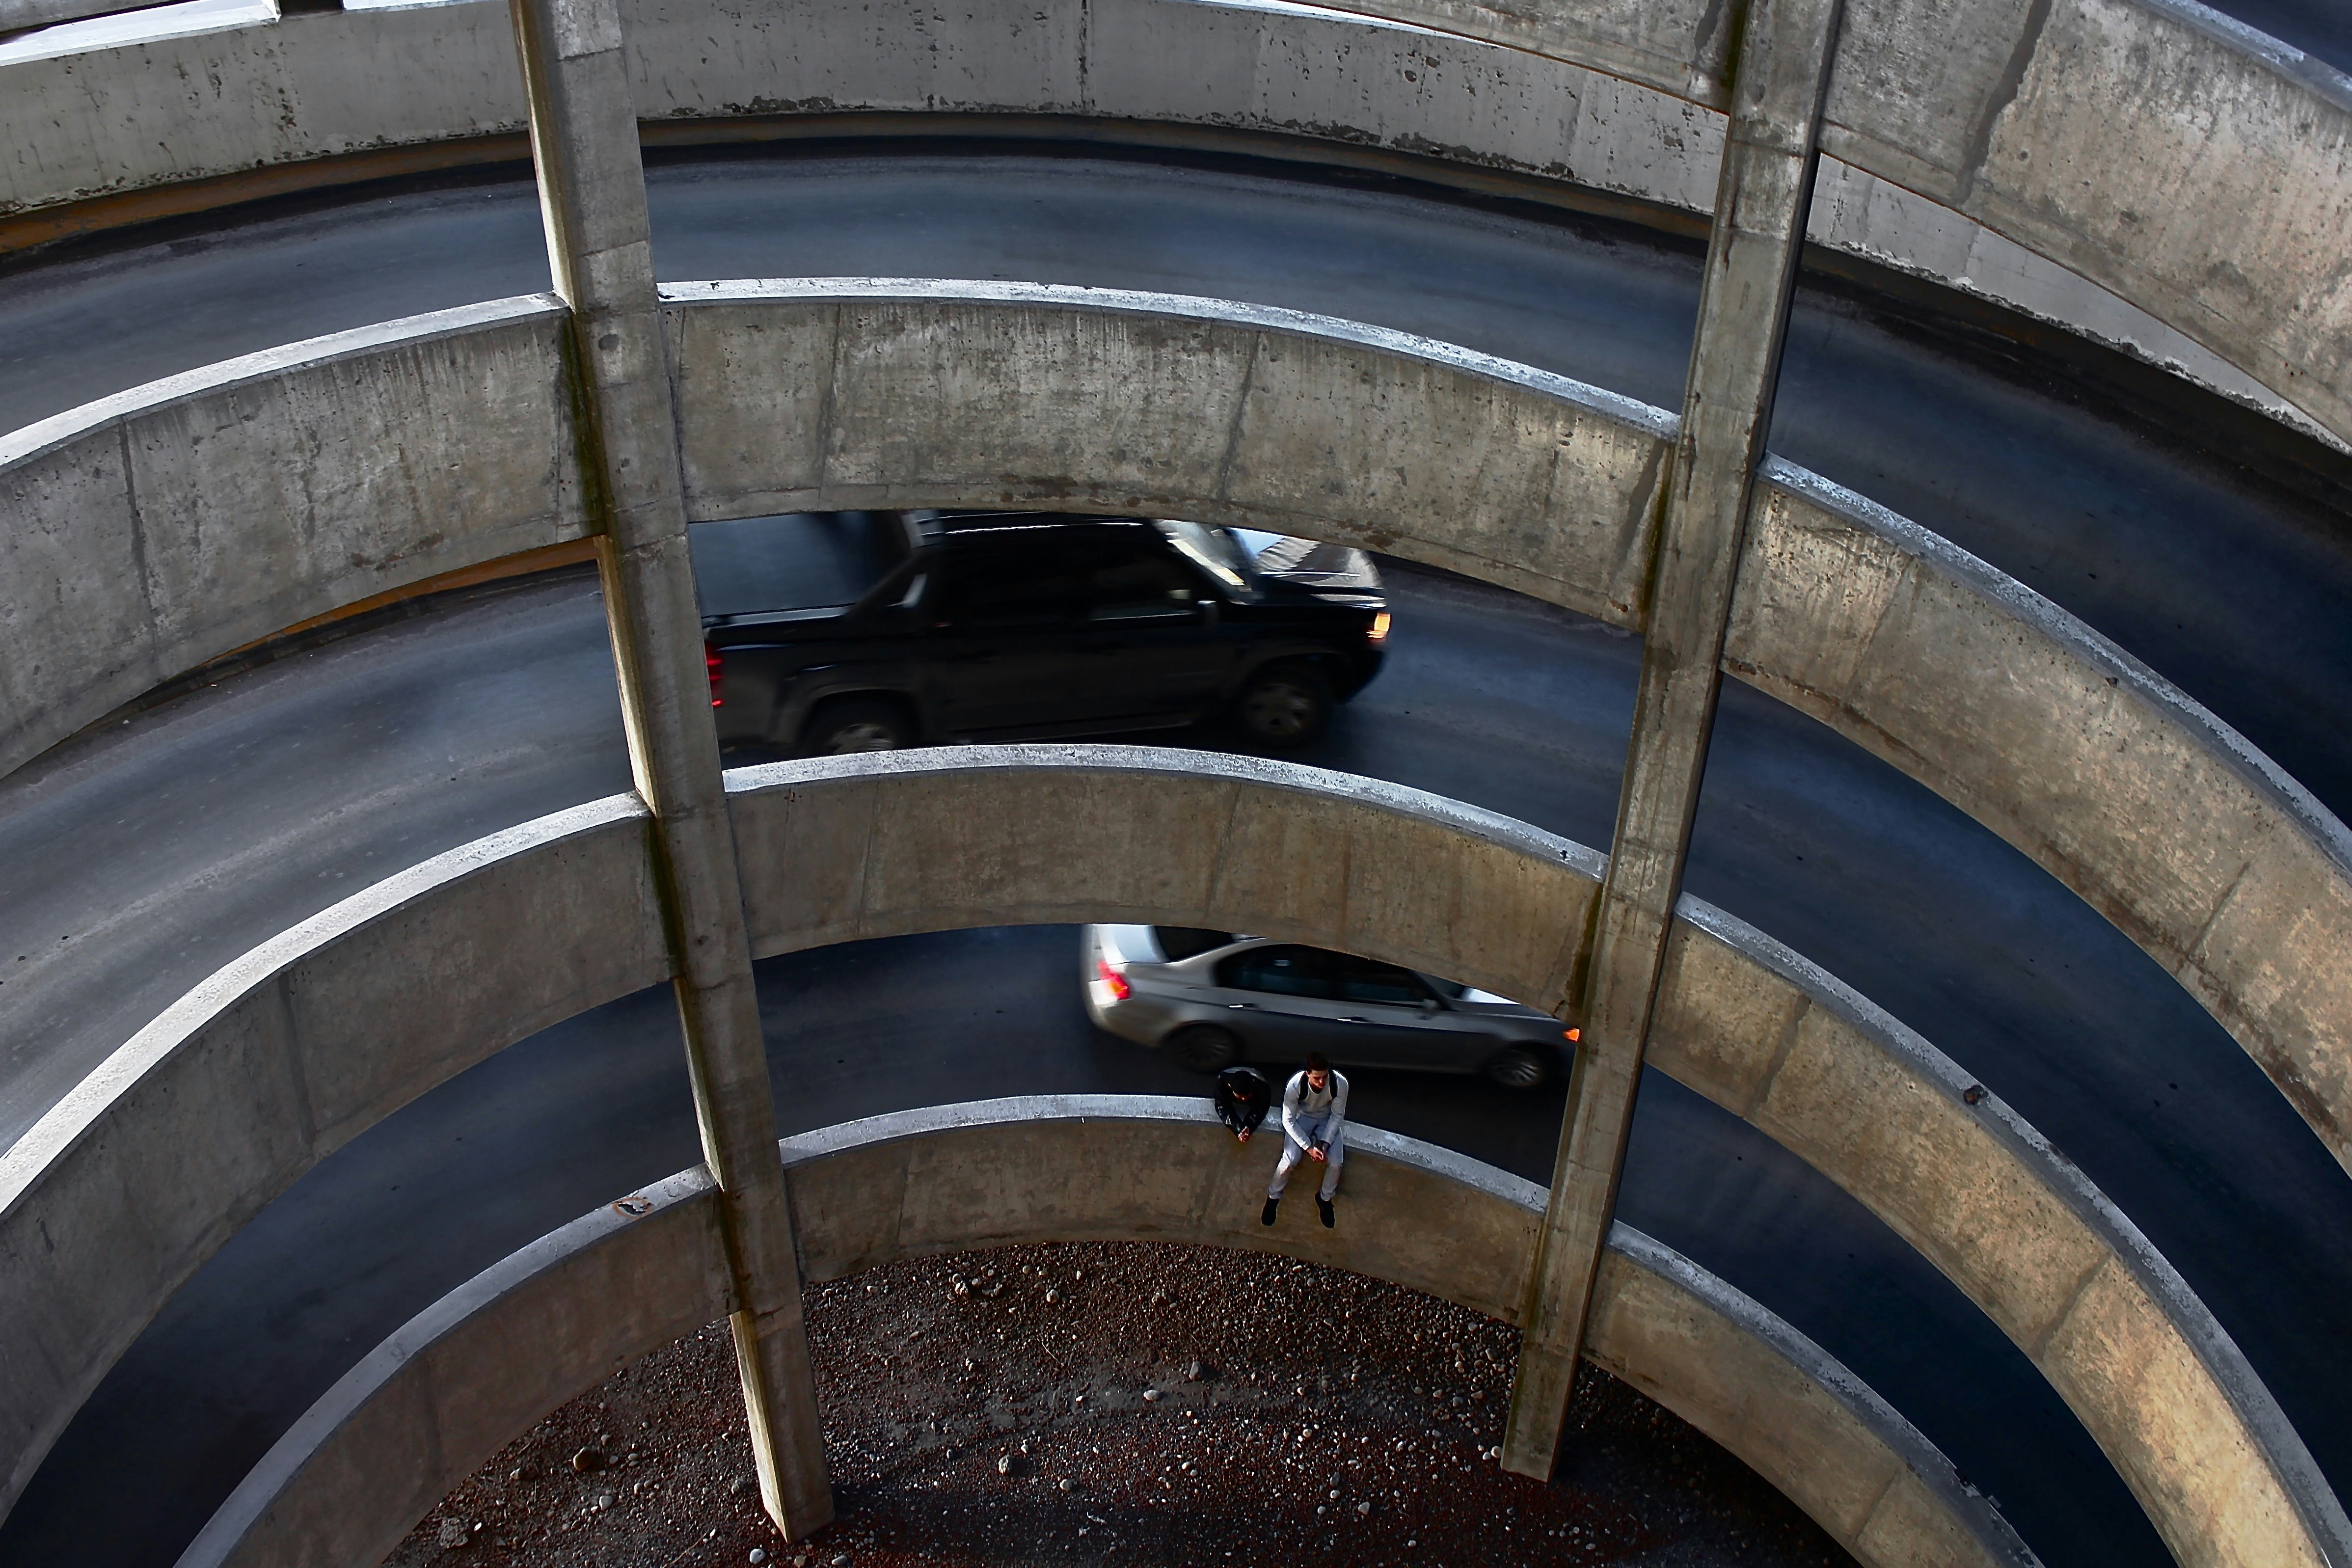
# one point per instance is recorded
(1139, 585)
(998, 589)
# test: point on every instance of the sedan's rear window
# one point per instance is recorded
(1180, 942)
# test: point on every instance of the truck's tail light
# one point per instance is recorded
(1379, 631)
(1119, 989)
(717, 664)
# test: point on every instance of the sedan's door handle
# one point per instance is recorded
(1242, 1006)
(1354, 1020)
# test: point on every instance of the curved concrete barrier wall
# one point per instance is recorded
(893, 393)
(836, 850)
(2021, 1231)
(799, 394)
(220, 105)
(2186, 163)
(2162, 817)
(115, 1196)
(438, 1398)
(146, 533)
(855, 392)
(841, 849)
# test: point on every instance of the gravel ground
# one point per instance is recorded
(1121, 1403)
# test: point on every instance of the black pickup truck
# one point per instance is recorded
(830, 632)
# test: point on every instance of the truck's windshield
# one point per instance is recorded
(1215, 551)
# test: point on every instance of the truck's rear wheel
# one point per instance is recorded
(1283, 705)
(848, 725)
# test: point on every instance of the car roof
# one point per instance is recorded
(992, 527)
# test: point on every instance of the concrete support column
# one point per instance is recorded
(1779, 77)
(584, 133)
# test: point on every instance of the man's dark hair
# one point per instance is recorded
(1318, 1062)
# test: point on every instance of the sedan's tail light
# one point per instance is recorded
(716, 663)
(1574, 1035)
(1378, 630)
(1119, 989)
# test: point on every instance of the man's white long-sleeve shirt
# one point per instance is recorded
(1312, 1116)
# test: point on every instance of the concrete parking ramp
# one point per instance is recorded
(118, 1194)
(149, 532)
(146, 534)
(478, 1367)
(2185, 166)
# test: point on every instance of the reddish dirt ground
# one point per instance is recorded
(1120, 1403)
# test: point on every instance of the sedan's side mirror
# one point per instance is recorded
(1208, 608)
(1430, 1004)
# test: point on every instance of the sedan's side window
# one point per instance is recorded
(1362, 980)
(1283, 971)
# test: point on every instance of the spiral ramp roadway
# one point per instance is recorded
(2147, 194)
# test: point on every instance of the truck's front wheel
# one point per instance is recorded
(848, 725)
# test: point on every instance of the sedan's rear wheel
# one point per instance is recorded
(1204, 1048)
(848, 725)
(1283, 705)
(1517, 1067)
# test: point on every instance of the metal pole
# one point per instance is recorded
(583, 135)
(1779, 78)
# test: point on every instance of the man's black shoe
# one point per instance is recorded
(1323, 1205)
(1271, 1204)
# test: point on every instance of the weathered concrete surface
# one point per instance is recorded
(839, 849)
(1753, 248)
(797, 393)
(2024, 1235)
(440, 1396)
(19, 14)
(805, 394)
(320, 85)
(592, 184)
(145, 533)
(430, 1404)
(2195, 168)
(2163, 818)
(929, 840)
(1720, 1361)
(134, 1179)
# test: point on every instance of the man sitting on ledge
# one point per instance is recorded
(1241, 1098)
(1314, 1127)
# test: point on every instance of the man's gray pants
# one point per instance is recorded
(1293, 1150)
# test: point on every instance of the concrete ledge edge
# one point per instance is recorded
(266, 1481)
(45, 435)
(24, 1163)
(1619, 409)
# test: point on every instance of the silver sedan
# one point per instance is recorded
(1212, 998)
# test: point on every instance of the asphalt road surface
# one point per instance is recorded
(1489, 698)
(2226, 583)
(133, 863)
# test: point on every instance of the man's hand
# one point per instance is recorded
(1242, 1136)
(1315, 1153)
